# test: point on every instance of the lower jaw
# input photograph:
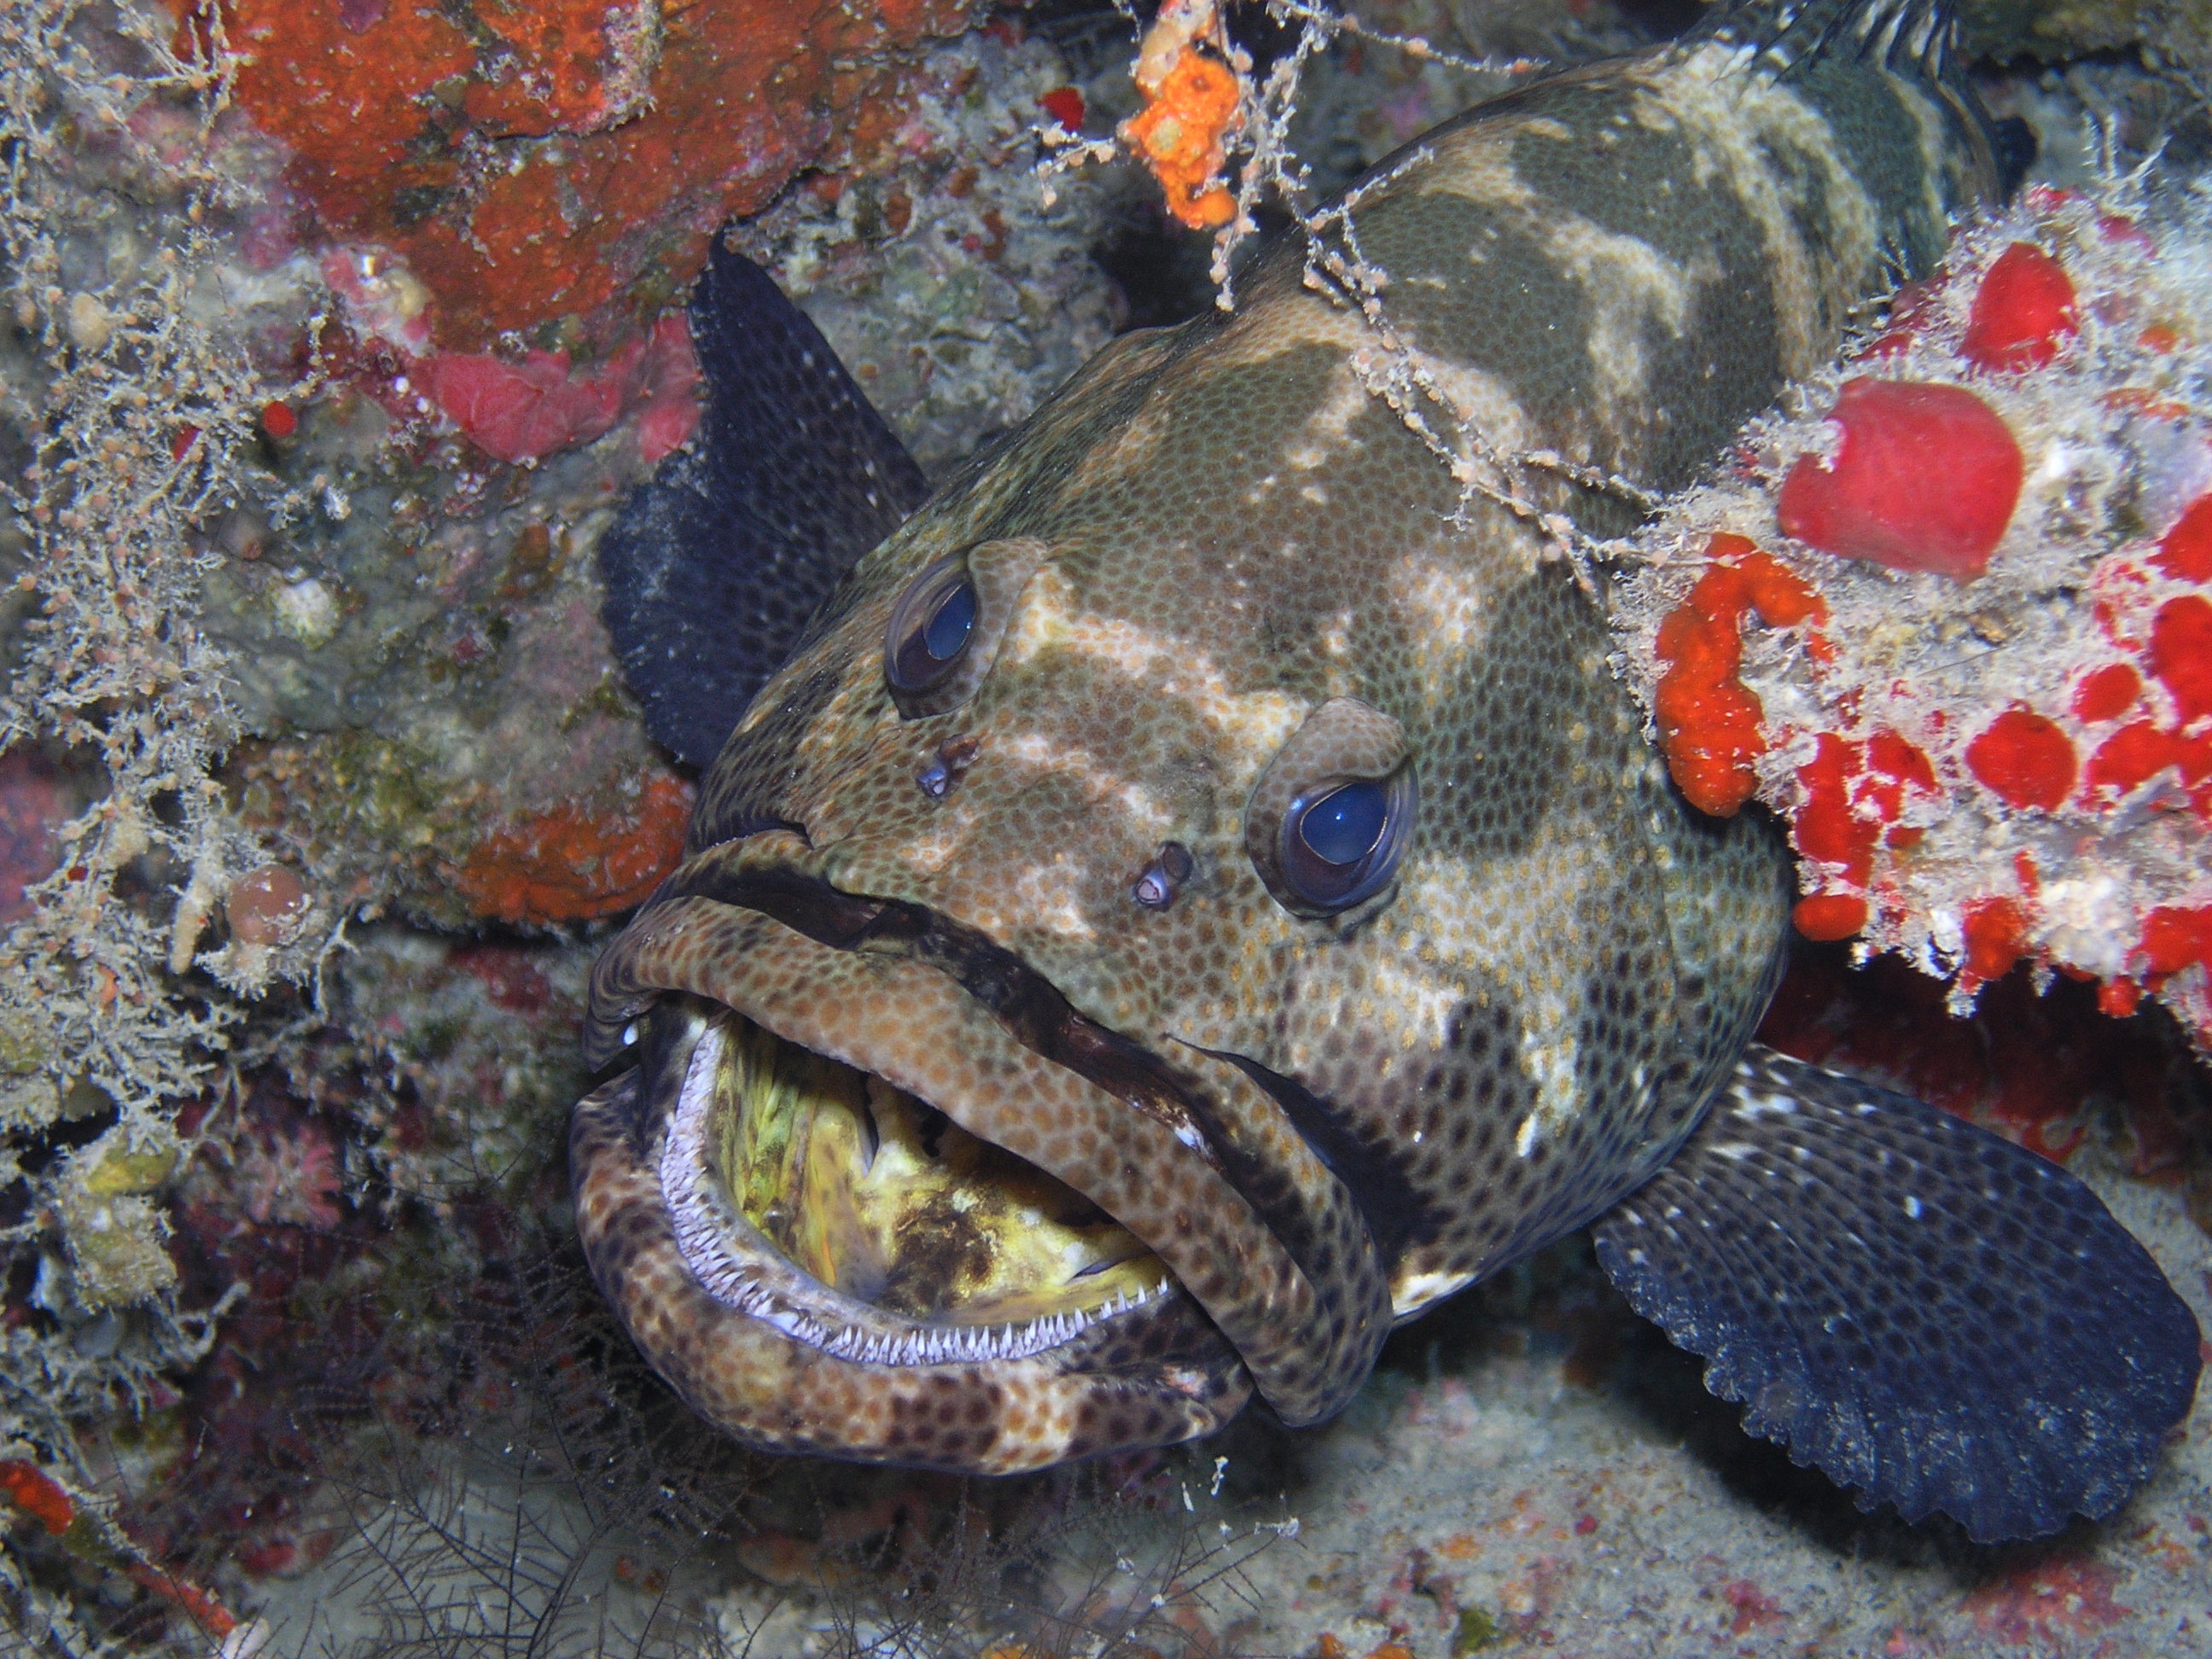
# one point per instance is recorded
(770, 1354)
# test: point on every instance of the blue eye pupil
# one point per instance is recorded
(1344, 825)
(949, 625)
(931, 633)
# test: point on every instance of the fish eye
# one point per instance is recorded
(945, 630)
(1342, 827)
(1331, 817)
(931, 629)
(1340, 844)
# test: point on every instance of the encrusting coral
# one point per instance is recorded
(556, 166)
(312, 658)
(130, 386)
(1948, 612)
(953, 284)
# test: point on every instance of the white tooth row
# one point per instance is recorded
(739, 1268)
(920, 1343)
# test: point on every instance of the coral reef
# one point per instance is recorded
(435, 647)
(334, 332)
(1947, 613)
(955, 286)
(131, 393)
(1227, 130)
(305, 655)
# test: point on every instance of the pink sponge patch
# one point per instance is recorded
(1926, 478)
(518, 411)
(668, 389)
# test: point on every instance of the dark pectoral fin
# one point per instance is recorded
(714, 567)
(1913, 1305)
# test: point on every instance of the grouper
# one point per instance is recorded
(1189, 893)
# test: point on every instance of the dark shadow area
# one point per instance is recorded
(420, 1433)
(1161, 270)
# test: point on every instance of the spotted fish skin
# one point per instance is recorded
(1322, 533)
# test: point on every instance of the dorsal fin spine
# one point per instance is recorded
(1902, 33)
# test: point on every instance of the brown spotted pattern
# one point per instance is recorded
(1208, 540)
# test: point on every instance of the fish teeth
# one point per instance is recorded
(702, 1225)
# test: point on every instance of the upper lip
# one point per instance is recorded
(1035, 1012)
(1027, 1004)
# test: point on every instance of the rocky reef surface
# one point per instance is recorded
(329, 335)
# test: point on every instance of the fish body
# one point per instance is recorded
(1195, 894)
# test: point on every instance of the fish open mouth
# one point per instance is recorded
(868, 1187)
(865, 1222)
(865, 1159)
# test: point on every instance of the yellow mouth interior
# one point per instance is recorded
(884, 1198)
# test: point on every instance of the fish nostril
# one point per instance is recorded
(947, 767)
(1164, 876)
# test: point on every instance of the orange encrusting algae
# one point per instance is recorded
(570, 863)
(1180, 132)
(35, 1492)
(411, 125)
(203, 1609)
(1194, 93)
(1709, 721)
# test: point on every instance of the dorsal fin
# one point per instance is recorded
(1915, 34)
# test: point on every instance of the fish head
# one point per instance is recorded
(929, 996)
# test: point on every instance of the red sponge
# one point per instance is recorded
(1926, 478)
(2023, 308)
